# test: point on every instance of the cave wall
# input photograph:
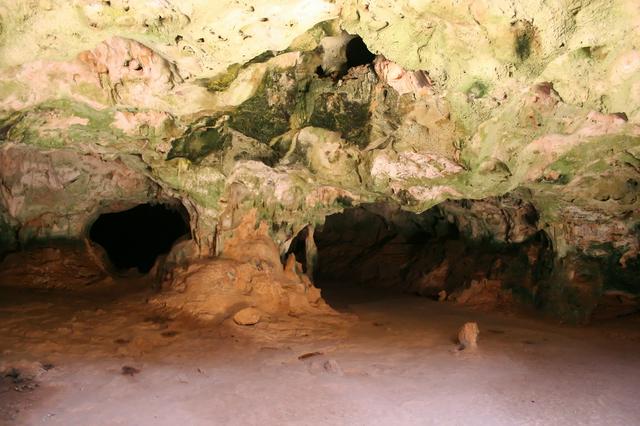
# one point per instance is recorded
(54, 194)
(446, 248)
(233, 108)
(487, 254)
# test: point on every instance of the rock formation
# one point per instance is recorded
(468, 336)
(518, 121)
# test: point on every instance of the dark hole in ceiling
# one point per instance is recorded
(134, 238)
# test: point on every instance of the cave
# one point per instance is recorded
(380, 249)
(342, 54)
(357, 53)
(134, 238)
(319, 212)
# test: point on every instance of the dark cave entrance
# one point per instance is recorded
(134, 238)
(358, 53)
(385, 249)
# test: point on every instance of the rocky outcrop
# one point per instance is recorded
(56, 193)
(248, 274)
(515, 117)
(69, 267)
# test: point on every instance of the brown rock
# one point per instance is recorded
(433, 283)
(247, 316)
(485, 295)
(468, 336)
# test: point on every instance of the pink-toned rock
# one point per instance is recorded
(401, 80)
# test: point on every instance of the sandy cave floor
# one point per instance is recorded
(111, 359)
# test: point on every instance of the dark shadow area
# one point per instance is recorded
(134, 238)
(358, 53)
(447, 252)
(298, 248)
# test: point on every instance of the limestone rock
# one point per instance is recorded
(63, 267)
(485, 295)
(249, 272)
(433, 282)
(521, 122)
(402, 81)
(468, 336)
(247, 316)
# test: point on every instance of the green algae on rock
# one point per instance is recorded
(230, 111)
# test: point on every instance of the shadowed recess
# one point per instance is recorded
(358, 53)
(134, 238)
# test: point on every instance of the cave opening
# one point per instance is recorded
(381, 249)
(134, 238)
(358, 53)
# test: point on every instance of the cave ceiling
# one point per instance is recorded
(232, 106)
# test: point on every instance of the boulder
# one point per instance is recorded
(247, 316)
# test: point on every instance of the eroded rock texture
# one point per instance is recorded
(528, 110)
(468, 252)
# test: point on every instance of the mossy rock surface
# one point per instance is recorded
(334, 111)
(199, 142)
(267, 113)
